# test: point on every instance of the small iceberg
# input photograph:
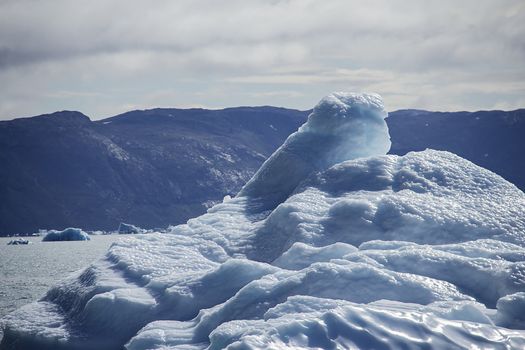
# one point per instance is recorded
(18, 241)
(126, 229)
(69, 234)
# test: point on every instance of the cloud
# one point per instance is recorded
(101, 56)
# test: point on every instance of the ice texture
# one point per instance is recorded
(332, 244)
(69, 234)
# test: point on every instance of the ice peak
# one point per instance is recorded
(342, 126)
(335, 110)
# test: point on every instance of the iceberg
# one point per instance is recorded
(69, 234)
(124, 228)
(332, 244)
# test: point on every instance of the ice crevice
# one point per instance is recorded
(332, 244)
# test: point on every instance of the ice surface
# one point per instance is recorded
(69, 234)
(331, 244)
(310, 322)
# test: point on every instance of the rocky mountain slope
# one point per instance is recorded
(150, 168)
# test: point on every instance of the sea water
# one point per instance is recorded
(28, 271)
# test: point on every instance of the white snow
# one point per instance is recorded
(69, 234)
(332, 244)
(113, 149)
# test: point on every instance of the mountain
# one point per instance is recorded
(159, 167)
(150, 168)
(331, 244)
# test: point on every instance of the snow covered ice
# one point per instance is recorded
(342, 126)
(332, 244)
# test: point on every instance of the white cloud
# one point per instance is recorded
(101, 56)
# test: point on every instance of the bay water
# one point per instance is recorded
(28, 271)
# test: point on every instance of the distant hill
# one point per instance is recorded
(163, 166)
(149, 168)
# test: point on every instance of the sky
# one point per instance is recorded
(105, 57)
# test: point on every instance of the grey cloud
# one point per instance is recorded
(220, 53)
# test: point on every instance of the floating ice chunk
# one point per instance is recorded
(69, 234)
(124, 228)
